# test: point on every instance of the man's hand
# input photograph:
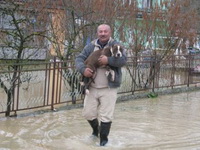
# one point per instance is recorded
(103, 60)
(88, 72)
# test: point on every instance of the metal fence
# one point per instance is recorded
(54, 83)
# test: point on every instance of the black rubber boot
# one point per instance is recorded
(104, 132)
(95, 126)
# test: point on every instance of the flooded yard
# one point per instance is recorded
(166, 122)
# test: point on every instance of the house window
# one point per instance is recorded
(146, 4)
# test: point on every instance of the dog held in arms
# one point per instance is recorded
(93, 63)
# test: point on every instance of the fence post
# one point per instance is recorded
(173, 71)
(189, 69)
(135, 63)
(53, 83)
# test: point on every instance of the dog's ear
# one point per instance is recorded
(107, 51)
(121, 48)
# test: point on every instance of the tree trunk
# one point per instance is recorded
(9, 102)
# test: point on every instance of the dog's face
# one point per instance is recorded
(116, 51)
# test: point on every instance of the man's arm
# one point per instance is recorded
(80, 59)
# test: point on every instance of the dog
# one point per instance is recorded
(93, 63)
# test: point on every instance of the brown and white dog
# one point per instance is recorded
(93, 63)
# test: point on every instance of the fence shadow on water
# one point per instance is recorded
(54, 83)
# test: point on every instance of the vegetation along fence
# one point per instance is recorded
(54, 83)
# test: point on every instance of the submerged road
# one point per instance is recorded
(170, 122)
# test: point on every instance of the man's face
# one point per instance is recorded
(103, 33)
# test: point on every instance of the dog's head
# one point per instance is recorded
(116, 50)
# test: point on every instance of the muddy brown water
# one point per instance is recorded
(170, 122)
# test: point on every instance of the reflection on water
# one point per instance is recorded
(166, 122)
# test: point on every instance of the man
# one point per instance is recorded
(100, 102)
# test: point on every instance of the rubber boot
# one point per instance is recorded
(95, 126)
(104, 132)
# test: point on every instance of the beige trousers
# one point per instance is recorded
(100, 103)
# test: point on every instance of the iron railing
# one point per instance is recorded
(49, 84)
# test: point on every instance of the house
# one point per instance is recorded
(154, 25)
(133, 24)
(27, 23)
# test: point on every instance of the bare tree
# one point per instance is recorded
(18, 43)
(73, 26)
(157, 31)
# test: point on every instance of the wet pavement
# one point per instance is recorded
(168, 122)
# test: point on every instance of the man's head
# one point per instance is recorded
(104, 33)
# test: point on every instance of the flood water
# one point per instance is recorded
(166, 122)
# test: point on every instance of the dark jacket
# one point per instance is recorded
(114, 63)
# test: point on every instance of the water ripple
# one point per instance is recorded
(167, 122)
